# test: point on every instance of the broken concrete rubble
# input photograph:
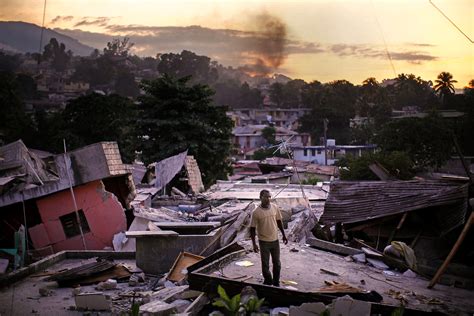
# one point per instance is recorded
(174, 238)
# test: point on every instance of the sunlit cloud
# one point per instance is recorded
(60, 18)
(242, 48)
(366, 51)
(97, 21)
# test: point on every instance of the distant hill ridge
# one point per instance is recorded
(25, 37)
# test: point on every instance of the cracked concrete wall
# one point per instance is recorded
(103, 211)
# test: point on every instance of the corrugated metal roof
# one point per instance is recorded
(352, 202)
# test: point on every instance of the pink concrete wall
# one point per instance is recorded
(102, 210)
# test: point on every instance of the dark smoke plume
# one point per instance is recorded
(268, 47)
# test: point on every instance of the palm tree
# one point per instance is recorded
(470, 85)
(370, 85)
(444, 84)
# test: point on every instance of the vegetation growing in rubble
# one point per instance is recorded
(397, 164)
(234, 306)
(175, 116)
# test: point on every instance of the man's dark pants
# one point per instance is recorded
(272, 248)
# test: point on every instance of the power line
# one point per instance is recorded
(470, 40)
(383, 39)
(42, 30)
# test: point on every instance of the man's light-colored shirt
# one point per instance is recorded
(265, 221)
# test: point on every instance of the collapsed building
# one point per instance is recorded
(184, 243)
(46, 194)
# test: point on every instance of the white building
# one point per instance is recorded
(315, 154)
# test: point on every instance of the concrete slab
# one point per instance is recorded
(303, 268)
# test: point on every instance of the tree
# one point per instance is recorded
(105, 68)
(467, 132)
(57, 54)
(95, 118)
(410, 90)
(14, 122)
(125, 84)
(118, 47)
(337, 104)
(427, 141)
(235, 95)
(8, 62)
(269, 149)
(277, 94)
(27, 86)
(186, 64)
(374, 103)
(444, 86)
(397, 163)
(287, 95)
(470, 84)
(176, 116)
(311, 94)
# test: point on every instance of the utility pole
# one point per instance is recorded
(325, 121)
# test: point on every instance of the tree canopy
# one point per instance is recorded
(14, 122)
(186, 64)
(174, 116)
(427, 141)
(336, 104)
(57, 54)
(95, 117)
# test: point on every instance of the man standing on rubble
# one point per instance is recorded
(266, 218)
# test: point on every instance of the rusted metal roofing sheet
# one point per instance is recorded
(352, 202)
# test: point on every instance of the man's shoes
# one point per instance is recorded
(276, 284)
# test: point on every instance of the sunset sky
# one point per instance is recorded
(322, 40)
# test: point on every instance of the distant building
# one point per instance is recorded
(280, 117)
(248, 138)
(315, 154)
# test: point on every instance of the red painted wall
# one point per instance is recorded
(102, 210)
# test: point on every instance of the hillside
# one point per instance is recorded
(25, 37)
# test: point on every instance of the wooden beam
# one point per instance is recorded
(456, 246)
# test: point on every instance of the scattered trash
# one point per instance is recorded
(244, 263)
(289, 282)
(110, 284)
(289, 287)
(389, 273)
(329, 272)
(76, 291)
(45, 291)
(377, 264)
(399, 296)
(359, 258)
(136, 278)
(179, 269)
(410, 274)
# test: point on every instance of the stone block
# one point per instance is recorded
(307, 309)
(157, 308)
(347, 306)
(93, 301)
